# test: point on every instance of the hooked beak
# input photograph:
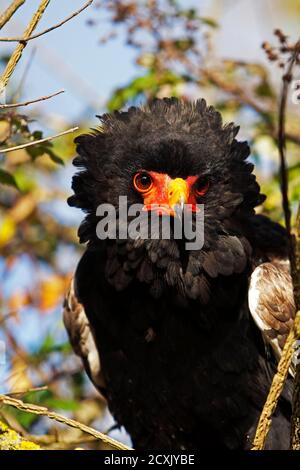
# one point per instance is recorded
(178, 194)
(172, 198)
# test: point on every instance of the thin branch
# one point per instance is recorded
(45, 31)
(279, 378)
(17, 54)
(43, 411)
(294, 254)
(40, 141)
(26, 103)
(282, 142)
(10, 11)
(293, 138)
(295, 424)
(29, 390)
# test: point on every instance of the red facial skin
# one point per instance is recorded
(158, 196)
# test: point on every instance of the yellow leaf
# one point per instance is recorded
(4, 130)
(24, 207)
(51, 291)
(7, 230)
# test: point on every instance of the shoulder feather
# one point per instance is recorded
(82, 338)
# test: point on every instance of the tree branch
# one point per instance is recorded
(10, 11)
(295, 428)
(17, 54)
(40, 141)
(45, 31)
(279, 378)
(293, 138)
(26, 103)
(294, 256)
(282, 144)
(43, 411)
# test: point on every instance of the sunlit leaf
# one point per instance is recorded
(62, 404)
(55, 158)
(5, 130)
(210, 22)
(7, 230)
(51, 291)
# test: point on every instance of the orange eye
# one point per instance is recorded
(142, 182)
(201, 186)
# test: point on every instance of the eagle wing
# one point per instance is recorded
(271, 302)
(82, 338)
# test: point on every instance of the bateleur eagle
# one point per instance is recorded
(167, 334)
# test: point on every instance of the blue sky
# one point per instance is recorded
(71, 57)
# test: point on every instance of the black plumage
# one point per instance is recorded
(184, 365)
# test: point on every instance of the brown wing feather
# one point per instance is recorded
(271, 302)
(82, 338)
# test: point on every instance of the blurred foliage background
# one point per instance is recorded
(173, 48)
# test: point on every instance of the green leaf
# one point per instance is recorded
(4, 59)
(49, 346)
(37, 135)
(24, 419)
(55, 158)
(62, 404)
(147, 84)
(44, 149)
(264, 89)
(8, 179)
(209, 22)
(36, 151)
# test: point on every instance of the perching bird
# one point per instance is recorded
(167, 334)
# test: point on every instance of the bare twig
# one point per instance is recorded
(10, 11)
(285, 361)
(295, 425)
(29, 390)
(45, 31)
(281, 141)
(293, 138)
(43, 411)
(279, 378)
(294, 252)
(26, 103)
(40, 141)
(17, 54)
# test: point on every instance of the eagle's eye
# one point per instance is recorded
(142, 182)
(201, 186)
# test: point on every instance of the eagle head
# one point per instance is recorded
(165, 155)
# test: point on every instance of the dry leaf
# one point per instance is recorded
(5, 130)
